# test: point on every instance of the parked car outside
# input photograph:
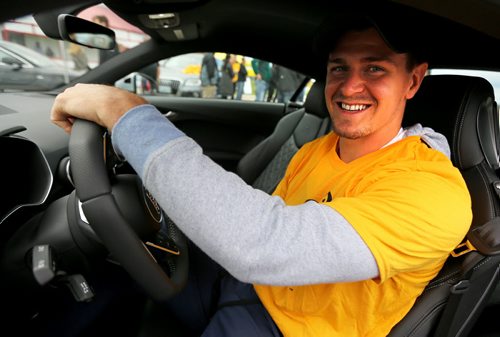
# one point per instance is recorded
(180, 75)
(24, 69)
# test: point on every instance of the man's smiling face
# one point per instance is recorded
(367, 85)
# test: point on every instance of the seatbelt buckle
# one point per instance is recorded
(463, 248)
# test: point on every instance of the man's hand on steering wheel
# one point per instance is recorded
(101, 104)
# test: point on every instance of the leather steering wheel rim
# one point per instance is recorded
(94, 191)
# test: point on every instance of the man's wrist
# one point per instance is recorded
(118, 106)
(141, 131)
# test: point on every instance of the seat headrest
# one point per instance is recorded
(315, 101)
(463, 109)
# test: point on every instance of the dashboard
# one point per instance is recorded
(32, 150)
(31, 110)
(26, 178)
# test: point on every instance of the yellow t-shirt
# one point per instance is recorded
(409, 205)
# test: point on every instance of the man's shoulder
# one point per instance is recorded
(431, 138)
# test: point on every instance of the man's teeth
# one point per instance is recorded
(354, 107)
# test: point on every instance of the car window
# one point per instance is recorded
(180, 75)
(27, 55)
(31, 61)
(492, 76)
(7, 59)
(217, 75)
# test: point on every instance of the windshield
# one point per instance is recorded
(27, 54)
(30, 61)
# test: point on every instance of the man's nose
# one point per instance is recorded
(353, 84)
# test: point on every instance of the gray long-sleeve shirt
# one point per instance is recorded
(255, 236)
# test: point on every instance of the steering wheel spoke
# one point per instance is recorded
(125, 216)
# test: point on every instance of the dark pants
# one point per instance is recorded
(213, 303)
(216, 304)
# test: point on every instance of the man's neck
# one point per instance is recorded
(352, 149)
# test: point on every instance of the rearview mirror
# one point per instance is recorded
(85, 33)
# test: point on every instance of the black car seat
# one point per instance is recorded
(265, 165)
(463, 109)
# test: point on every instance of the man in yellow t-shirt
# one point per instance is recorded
(395, 187)
(390, 205)
(363, 219)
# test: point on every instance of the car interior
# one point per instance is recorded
(43, 218)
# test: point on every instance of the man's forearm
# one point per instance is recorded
(255, 236)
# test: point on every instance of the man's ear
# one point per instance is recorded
(418, 74)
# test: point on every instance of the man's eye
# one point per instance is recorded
(337, 69)
(375, 69)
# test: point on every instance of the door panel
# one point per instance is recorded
(226, 129)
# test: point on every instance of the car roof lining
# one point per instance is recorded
(482, 15)
(251, 28)
(293, 36)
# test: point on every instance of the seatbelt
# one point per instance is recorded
(463, 248)
(484, 239)
(462, 304)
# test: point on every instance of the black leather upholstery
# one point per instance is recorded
(265, 165)
(315, 101)
(472, 100)
(463, 109)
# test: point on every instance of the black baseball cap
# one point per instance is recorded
(397, 31)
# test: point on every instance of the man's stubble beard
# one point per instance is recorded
(355, 134)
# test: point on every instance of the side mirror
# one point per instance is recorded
(128, 83)
(15, 63)
(85, 33)
(138, 83)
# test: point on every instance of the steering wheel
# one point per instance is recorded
(127, 222)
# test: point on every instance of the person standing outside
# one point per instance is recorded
(105, 54)
(226, 84)
(262, 70)
(286, 82)
(242, 77)
(49, 52)
(364, 218)
(78, 56)
(38, 47)
(209, 75)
